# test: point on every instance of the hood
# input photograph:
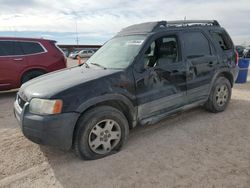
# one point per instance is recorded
(48, 85)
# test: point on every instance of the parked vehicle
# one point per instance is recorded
(66, 52)
(240, 50)
(74, 54)
(86, 53)
(22, 59)
(145, 73)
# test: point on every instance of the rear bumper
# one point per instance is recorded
(235, 72)
(53, 130)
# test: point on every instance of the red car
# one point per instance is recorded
(22, 59)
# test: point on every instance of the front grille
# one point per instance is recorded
(20, 101)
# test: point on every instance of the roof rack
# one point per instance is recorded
(183, 23)
(154, 26)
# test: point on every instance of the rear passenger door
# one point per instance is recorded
(201, 60)
(33, 51)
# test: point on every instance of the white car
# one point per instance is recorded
(86, 53)
(73, 55)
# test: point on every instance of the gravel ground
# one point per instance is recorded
(193, 149)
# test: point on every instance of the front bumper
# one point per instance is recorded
(54, 130)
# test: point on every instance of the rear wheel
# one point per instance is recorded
(220, 95)
(30, 75)
(100, 132)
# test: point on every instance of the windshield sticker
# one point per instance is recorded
(134, 42)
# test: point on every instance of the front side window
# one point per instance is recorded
(162, 52)
(6, 48)
(31, 47)
(10, 48)
(196, 45)
(118, 53)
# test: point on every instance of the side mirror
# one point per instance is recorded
(148, 51)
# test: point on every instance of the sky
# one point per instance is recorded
(96, 21)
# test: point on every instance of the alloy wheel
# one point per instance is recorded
(104, 136)
(222, 94)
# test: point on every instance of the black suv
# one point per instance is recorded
(146, 72)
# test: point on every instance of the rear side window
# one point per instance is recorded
(10, 48)
(222, 39)
(31, 47)
(196, 45)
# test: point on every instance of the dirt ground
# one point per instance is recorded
(193, 149)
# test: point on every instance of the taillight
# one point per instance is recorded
(237, 57)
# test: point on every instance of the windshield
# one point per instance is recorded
(118, 53)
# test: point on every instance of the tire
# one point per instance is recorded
(91, 141)
(220, 95)
(30, 75)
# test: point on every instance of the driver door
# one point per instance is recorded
(161, 85)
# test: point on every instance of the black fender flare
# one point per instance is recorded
(226, 73)
(110, 97)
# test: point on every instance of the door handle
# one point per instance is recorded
(211, 64)
(18, 59)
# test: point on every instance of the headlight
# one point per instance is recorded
(45, 106)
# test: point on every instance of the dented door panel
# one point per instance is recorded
(160, 89)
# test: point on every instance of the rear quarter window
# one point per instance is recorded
(222, 39)
(32, 48)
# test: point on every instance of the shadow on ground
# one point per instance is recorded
(194, 148)
(7, 119)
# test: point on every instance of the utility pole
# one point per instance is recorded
(77, 40)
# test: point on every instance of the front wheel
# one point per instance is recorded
(30, 75)
(100, 132)
(220, 95)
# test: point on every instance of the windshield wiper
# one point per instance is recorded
(85, 63)
(98, 65)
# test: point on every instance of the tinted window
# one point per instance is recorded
(6, 48)
(9, 48)
(17, 49)
(196, 45)
(223, 40)
(31, 47)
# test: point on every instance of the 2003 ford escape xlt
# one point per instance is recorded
(146, 72)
